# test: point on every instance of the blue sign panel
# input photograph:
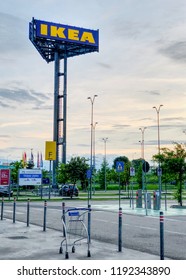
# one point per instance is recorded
(45, 181)
(119, 166)
(61, 32)
(89, 174)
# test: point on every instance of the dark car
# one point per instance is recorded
(69, 190)
(4, 191)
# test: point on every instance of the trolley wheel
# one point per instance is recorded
(73, 249)
(66, 255)
(88, 254)
(60, 250)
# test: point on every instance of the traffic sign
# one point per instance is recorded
(146, 166)
(89, 174)
(119, 166)
(132, 171)
(159, 171)
(46, 181)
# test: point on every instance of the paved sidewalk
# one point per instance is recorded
(19, 242)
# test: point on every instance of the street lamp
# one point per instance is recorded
(94, 152)
(92, 99)
(142, 142)
(142, 151)
(105, 142)
(94, 144)
(159, 171)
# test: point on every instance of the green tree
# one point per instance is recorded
(15, 170)
(76, 170)
(113, 175)
(61, 174)
(136, 163)
(104, 170)
(139, 175)
(174, 166)
(120, 158)
(30, 164)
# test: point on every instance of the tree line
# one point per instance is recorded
(171, 160)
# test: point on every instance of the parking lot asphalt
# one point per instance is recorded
(19, 242)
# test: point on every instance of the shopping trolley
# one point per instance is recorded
(74, 230)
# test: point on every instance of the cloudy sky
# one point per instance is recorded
(141, 63)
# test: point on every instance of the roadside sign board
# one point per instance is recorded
(30, 177)
(159, 171)
(145, 166)
(132, 171)
(119, 166)
(89, 174)
(50, 150)
(4, 177)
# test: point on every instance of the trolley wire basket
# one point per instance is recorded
(74, 230)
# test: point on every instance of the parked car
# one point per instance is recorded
(4, 191)
(69, 190)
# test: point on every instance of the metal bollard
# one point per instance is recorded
(14, 210)
(2, 208)
(44, 220)
(89, 223)
(120, 230)
(161, 236)
(28, 212)
(63, 217)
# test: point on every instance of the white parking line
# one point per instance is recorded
(142, 227)
(11, 211)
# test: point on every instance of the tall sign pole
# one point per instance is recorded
(56, 114)
(50, 154)
(119, 169)
(54, 42)
(64, 111)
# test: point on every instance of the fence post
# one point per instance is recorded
(2, 207)
(120, 230)
(14, 210)
(63, 217)
(161, 236)
(28, 212)
(44, 220)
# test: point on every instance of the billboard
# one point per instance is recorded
(4, 177)
(66, 33)
(30, 177)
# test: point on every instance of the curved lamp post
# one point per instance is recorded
(142, 142)
(159, 171)
(92, 99)
(142, 151)
(94, 145)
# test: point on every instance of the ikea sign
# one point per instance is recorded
(61, 32)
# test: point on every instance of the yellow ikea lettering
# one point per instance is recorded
(73, 34)
(57, 32)
(87, 36)
(44, 29)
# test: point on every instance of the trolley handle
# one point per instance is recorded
(76, 209)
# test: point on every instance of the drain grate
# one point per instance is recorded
(17, 237)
